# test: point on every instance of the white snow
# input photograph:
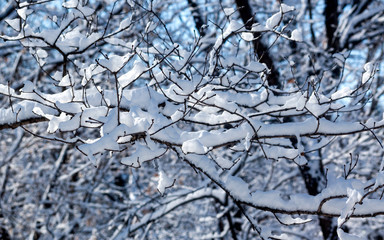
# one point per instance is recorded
(110, 122)
(53, 124)
(379, 180)
(70, 4)
(106, 143)
(54, 121)
(65, 81)
(70, 125)
(14, 23)
(247, 36)
(256, 66)
(256, 27)
(237, 187)
(247, 141)
(138, 69)
(233, 26)
(344, 92)
(315, 107)
(289, 220)
(22, 12)
(164, 182)
(297, 35)
(368, 68)
(145, 111)
(41, 53)
(125, 23)
(286, 8)
(228, 11)
(70, 107)
(274, 20)
(194, 146)
(114, 62)
(177, 115)
(300, 104)
(89, 114)
(28, 87)
(86, 42)
(150, 27)
(23, 110)
(346, 236)
(354, 196)
(116, 41)
(276, 152)
(142, 154)
(224, 163)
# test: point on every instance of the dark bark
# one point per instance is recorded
(331, 21)
(4, 234)
(331, 15)
(199, 23)
(235, 227)
(22, 122)
(260, 49)
(309, 8)
(314, 178)
(8, 10)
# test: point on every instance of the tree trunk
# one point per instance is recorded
(261, 51)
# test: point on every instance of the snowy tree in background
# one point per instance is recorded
(186, 119)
